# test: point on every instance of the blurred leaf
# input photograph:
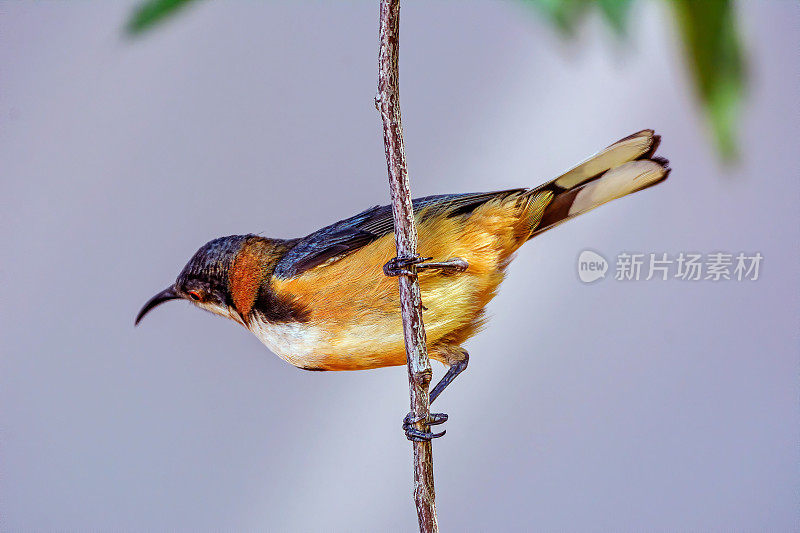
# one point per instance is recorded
(708, 30)
(149, 13)
(714, 52)
(616, 13)
(567, 14)
(564, 14)
(710, 39)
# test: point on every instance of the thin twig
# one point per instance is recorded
(419, 367)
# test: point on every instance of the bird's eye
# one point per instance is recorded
(194, 295)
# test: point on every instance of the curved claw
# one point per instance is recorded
(399, 265)
(432, 419)
(418, 435)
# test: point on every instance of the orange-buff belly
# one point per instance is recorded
(354, 318)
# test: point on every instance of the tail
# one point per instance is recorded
(627, 166)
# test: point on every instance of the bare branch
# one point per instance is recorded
(419, 367)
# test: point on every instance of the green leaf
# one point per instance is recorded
(567, 14)
(708, 29)
(616, 13)
(712, 46)
(564, 14)
(151, 12)
(713, 50)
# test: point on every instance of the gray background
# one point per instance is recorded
(624, 406)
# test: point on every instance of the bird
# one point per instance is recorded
(327, 301)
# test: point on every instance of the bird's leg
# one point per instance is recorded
(458, 363)
(454, 264)
(419, 435)
(399, 265)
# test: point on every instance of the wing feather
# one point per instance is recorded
(346, 236)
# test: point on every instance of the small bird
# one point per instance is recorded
(324, 302)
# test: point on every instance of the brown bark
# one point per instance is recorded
(419, 367)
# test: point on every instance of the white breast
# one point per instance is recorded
(294, 342)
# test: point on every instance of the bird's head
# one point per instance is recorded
(205, 281)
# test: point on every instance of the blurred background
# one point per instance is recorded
(626, 406)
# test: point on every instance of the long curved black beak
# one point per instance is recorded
(164, 296)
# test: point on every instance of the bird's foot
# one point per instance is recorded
(418, 435)
(454, 264)
(400, 265)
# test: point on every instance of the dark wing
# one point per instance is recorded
(350, 234)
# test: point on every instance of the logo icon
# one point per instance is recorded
(591, 266)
